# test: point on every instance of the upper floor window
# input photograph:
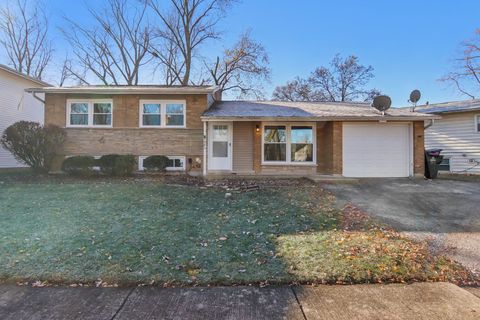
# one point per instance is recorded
(477, 123)
(89, 113)
(162, 114)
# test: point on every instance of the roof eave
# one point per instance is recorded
(24, 76)
(134, 90)
(452, 111)
(359, 118)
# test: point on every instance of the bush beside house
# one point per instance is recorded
(34, 144)
(155, 163)
(117, 165)
(79, 166)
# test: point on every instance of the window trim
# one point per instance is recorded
(288, 138)
(476, 119)
(163, 113)
(183, 158)
(90, 103)
(449, 165)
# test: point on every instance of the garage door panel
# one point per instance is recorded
(376, 150)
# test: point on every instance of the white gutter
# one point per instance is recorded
(324, 118)
(205, 148)
(125, 90)
(432, 121)
(34, 94)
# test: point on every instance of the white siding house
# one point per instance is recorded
(457, 133)
(16, 105)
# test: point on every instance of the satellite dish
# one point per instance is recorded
(415, 96)
(382, 103)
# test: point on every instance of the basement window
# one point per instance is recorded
(444, 165)
(175, 163)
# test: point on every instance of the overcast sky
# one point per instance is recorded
(411, 44)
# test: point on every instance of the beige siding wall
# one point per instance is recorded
(126, 137)
(243, 147)
(456, 134)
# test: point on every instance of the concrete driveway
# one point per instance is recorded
(445, 211)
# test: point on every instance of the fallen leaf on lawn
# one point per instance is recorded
(39, 284)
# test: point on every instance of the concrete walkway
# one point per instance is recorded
(417, 301)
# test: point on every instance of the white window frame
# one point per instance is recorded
(90, 103)
(449, 164)
(183, 158)
(288, 127)
(163, 113)
(476, 119)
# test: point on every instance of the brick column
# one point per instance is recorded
(418, 148)
(337, 147)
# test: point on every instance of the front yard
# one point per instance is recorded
(151, 232)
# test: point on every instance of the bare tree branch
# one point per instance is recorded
(466, 68)
(344, 80)
(242, 68)
(185, 27)
(24, 37)
(116, 48)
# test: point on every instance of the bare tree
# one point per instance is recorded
(242, 68)
(296, 90)
(185, 26)
(115, 49)
(344, 80)
(25, 38)
(465, 76)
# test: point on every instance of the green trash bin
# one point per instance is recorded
(432, 163)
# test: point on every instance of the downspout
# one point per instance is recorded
(34, 94)
(429, 125)
(205, 148)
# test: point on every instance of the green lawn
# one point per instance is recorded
(129, 232)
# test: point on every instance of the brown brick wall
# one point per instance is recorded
(126, 137)
(125, 108)
(337, 147)
(329, 147)
(418, 148)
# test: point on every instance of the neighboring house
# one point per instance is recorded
(16, 105)
(457, 134)
(204, 135)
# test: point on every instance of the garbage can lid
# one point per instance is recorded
(433, 152)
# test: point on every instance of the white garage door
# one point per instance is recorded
(376, 150)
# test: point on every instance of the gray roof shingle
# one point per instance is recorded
(452, 106)
(306, 110)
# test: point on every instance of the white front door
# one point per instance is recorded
(220, 146)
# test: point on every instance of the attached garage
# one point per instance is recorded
(347, 139)
(373, 149)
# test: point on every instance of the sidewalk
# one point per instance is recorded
(417, 301)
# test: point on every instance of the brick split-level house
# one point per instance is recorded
(202, 134)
